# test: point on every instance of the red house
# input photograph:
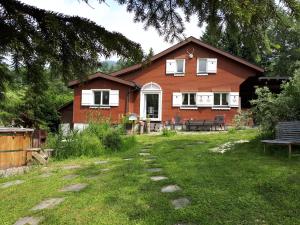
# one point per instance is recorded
(190, 80)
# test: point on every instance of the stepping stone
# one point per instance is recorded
(48, 203)
(128, 159)
(71, 167)
(153, 170)
(158, 178)
(105, 169)
(101, 162)
(170, 188)
(180, 203)
(149, 160)
(74, 187)
(70, 176)
(12, 183)
(144, 153)
(144, 150)
(29, 220)
(44, 175)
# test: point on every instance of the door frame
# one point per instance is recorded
(150, 88)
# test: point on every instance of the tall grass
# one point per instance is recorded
(93, 141)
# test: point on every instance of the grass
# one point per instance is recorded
(241, 186)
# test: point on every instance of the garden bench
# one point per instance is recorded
(199, 125)
(287, 133)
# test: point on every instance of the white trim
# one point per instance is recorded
(142, 100)
(187, 107)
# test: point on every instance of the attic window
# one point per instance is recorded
(101, 97)
(206, 66)
(175, 66)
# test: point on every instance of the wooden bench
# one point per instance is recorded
(287, 133)
(199, 125)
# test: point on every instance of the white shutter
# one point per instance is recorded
(114, 97)
(205, 99)
(234, 99)
(170, 66)
(177, 99)
(87, 97)
(211, 66)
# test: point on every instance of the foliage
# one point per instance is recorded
(271, 108)
(168, 133)
(242, 119)
(91, 142)
(69, 46)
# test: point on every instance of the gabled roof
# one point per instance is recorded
(182, 43)
(104, 76)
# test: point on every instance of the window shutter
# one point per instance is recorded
(211, 65)
(205, 99)
(177, 99)
(234, 99)
(170, 66)
(87, 97)
(114, 97)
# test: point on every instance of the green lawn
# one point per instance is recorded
(241, 186)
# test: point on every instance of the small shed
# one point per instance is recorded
(13, 143)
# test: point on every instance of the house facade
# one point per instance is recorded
(189, 81)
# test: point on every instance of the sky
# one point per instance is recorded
(114, 17)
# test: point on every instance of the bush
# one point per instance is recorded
(90, 142)
(112, 140)
(168, 133)
(271, 108)
(241, 120)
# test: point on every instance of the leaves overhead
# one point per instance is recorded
(69, 45)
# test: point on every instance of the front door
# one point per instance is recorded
(152, 106)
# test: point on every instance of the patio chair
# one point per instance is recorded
(219, 121)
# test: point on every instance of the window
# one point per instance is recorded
(206, 65)
(179, 66)
(101, 97)
(221, 99)
(189, 99)
(175, 66)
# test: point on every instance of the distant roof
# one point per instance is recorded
(274, 78)
(182, 43)
(104, 76)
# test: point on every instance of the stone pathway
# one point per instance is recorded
(154, 170)
(12, 183)
(128, 159)
(29, 220)
(149, 160)
(71, 167)
(74, 187)
(45, 175)
(48, 203)
(101, 162)
(170, 189)
(158, 178)
(70, 176)
(180, 203)
(144, 153)
(105, 170)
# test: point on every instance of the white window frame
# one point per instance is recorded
(204, 73)
(220, 106)
(101, 99)
(176, 73)
(189, 97)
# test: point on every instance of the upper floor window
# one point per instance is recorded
(175, 66)
(101, 97)
(206, 65)
(189, 99)
(221, 99)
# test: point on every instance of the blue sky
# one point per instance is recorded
(115, 18)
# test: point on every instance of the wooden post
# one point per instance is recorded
(290, 151)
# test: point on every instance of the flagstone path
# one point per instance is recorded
(48, 203)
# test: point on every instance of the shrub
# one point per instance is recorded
(271, 108)
(168, 133)
(241, 120)
(112, 140)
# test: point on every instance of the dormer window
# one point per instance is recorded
(175, 67)
(206, 66)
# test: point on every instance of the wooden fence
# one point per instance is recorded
(13, 143)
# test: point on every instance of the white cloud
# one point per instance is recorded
(114, 17)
